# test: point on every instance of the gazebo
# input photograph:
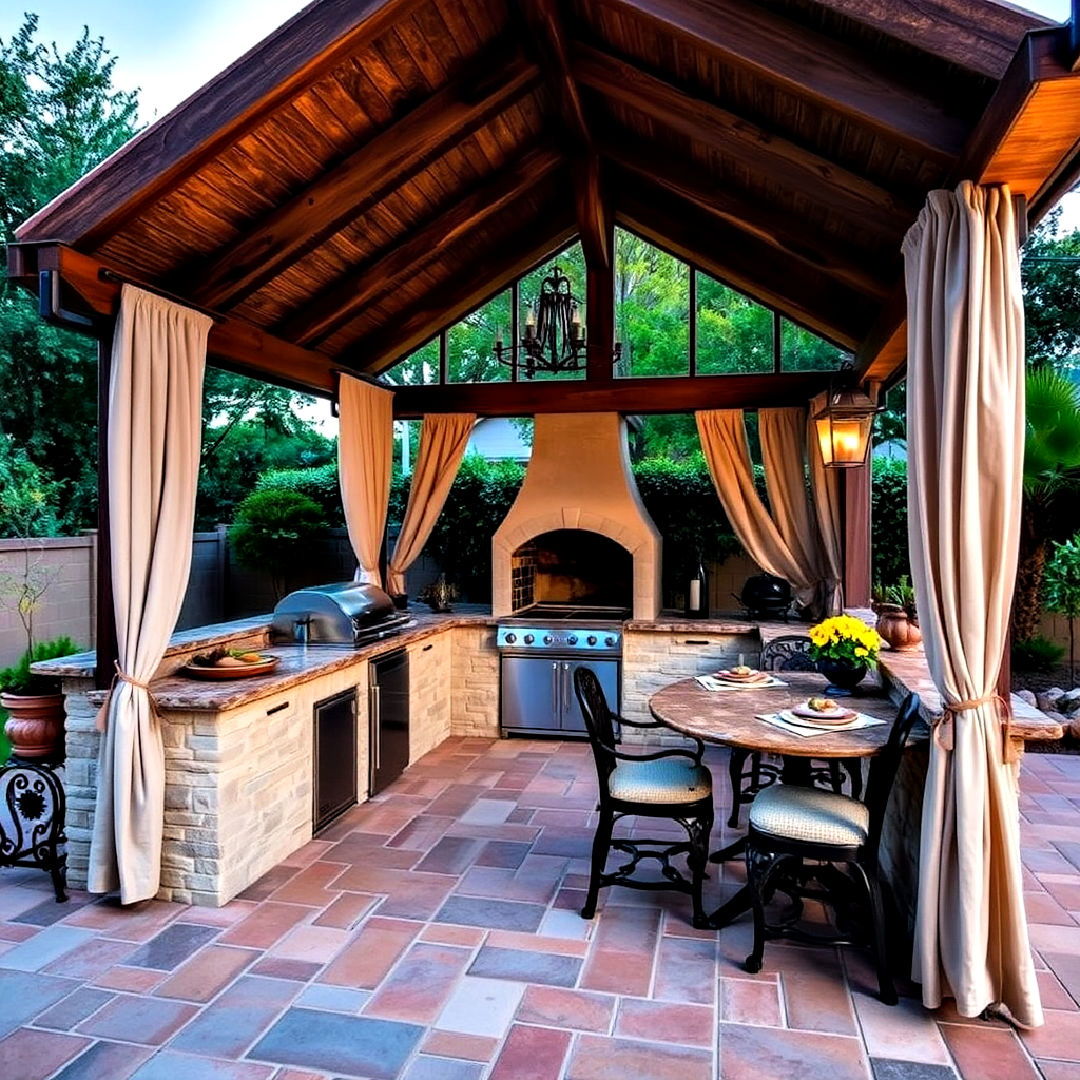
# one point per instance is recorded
(375, 170)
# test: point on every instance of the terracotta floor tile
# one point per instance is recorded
(816, 999)
(687, 1025)
(146, 1020)
(445, 934)
(135, 980)
(1059, 1037)
(311, 886)
(686, 970)
(347, 910)
(207, 972)
(531, 1053)
(365, 962)
(268, 923)
(33, 1055)
(553, 1006)
(454, 1044)
(135, 922)
(526, 966)
(597, 1058)
(987, 1053)
(280, 967)
(172, 946)
(111, 1060)
(168, 1065)
(1059, 1070)
(778, 1054)
(749, 1001)
(905, 1031)
(417, 989)
(91, 959)
(314, 944)
(74, 1009)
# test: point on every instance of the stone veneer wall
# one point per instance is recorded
(429, 693)
(474, 682)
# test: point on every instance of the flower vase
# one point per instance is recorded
(843, 675)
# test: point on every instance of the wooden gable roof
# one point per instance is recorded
(373, 170)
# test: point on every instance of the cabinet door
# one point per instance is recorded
(607, 671)
(531, 693)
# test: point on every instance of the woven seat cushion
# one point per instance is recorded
(810, 814)
(669, 780)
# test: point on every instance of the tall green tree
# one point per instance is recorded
(1050, 267)
(59, 116)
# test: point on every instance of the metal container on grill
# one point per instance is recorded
(344, 613)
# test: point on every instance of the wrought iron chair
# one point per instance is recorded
(747, 770)
(790, 824)
(669, 783)
(32, 820)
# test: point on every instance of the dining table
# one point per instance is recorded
(731, 717)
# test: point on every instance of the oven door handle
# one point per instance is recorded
(566, 688)
(555, 695)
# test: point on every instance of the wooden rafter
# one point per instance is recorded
(445, 305)
(617, 395)
(320, 316)
(748, 264)
(360, 181)
(788, 164)
(792, 239)
(809, 65)
(161, 157)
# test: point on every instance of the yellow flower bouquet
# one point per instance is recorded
(845, 638)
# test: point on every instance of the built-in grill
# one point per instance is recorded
(540, 649)
(346, 614)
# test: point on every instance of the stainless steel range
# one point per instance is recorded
(541, 648)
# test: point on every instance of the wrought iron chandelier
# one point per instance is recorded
(553, 338)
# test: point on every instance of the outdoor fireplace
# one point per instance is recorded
(577, 532)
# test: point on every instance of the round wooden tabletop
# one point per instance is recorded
(729, 717)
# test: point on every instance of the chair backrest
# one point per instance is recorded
(883, 770)
(599, 722)
(788, 653)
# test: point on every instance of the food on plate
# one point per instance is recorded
(228, 658)
(742, 669)
(822, 704)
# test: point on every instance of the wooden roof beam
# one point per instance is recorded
(786, 163)
(489, 86)
(442, 307)
(634, 396)
(216, 116)
(744, 262)
(814, 252)
(810, 65)
(330, 309)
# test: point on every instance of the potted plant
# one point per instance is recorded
(898, 616)
(845, 648)
(439, 594)
(34, 704)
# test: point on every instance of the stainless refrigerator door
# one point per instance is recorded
(388, 705)
(530, 693)
(607, 671)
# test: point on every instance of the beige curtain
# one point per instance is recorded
(825, 489)
(784, 544)
(155, 398)
(965, 447)
(443, 439)
(365, 449)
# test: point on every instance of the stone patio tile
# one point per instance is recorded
(1059, 1038)
(685, 970)
(1066, 967)
(14, 932)
(146, 1020)
(111, 1060)
(1059, 1070)
(1052, 992)
(278, 967)
(27, 1054)
(421, 833)
(27, 908)
(816, 998)
(417, 900)
(562, 923)
(418, 987)
(92, 958)
(531, 1053)
(211, 969)
(135, 922)
(268, 923)
(172, 946)
(498, 914)
(597, 1058)
(344, 1045)
(239, 1016)
(502, 853)
(314, 944)
(1042, 908)
(750, 1001)
(1060, 939)
(365, 962)
(447, 934)
(136, 980)
(312, 886)
(890, 1069)
(360, 848)
(168, 1065)
(346, 911)
(438, 1068)
(453, 855)
(45, 947)
(74, 1009)
(553, 1006)
(485, 811)
(455, 1044)
(688, 1025)
(14, 900)
(23, 995)
(481, 1007)
(981, 1052)
(778, 1054)
(905, 1031)
(334, 998)
(526, 965)
(563, 946)
(227, 915)
(270, 882)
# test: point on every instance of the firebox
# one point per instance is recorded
(572, 566)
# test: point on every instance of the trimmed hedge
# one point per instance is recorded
(888, 521)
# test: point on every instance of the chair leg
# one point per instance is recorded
(853, 767)
(835, 779)
(736, 765)
(759, 869)
(886, 989)
(600, 848)
(697, 860)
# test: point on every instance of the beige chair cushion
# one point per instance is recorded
(669, 780)
(810, 814)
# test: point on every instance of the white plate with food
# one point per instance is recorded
(824, 711)
(229, 664)
(743, 675)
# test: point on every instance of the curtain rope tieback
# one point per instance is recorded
(943, 726)
(102, 719)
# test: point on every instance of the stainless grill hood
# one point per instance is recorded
(342, 613)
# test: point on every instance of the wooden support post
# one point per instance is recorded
(105, 613)
(600, 317)
(855, 502)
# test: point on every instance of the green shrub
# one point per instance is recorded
(1036, 654)
(19, 679)
(317, 482)
(274, 531)
(888, 520)
(1062, 587)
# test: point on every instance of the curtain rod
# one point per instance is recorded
(105, 274)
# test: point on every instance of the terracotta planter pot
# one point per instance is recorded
(35, 724)
(897, 629)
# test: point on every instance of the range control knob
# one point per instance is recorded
(611, 641)
(572, 639)
(591, 639)
(510, 638)
(528, 639)
(548, 639)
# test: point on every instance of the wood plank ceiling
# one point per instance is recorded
(372, 171)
